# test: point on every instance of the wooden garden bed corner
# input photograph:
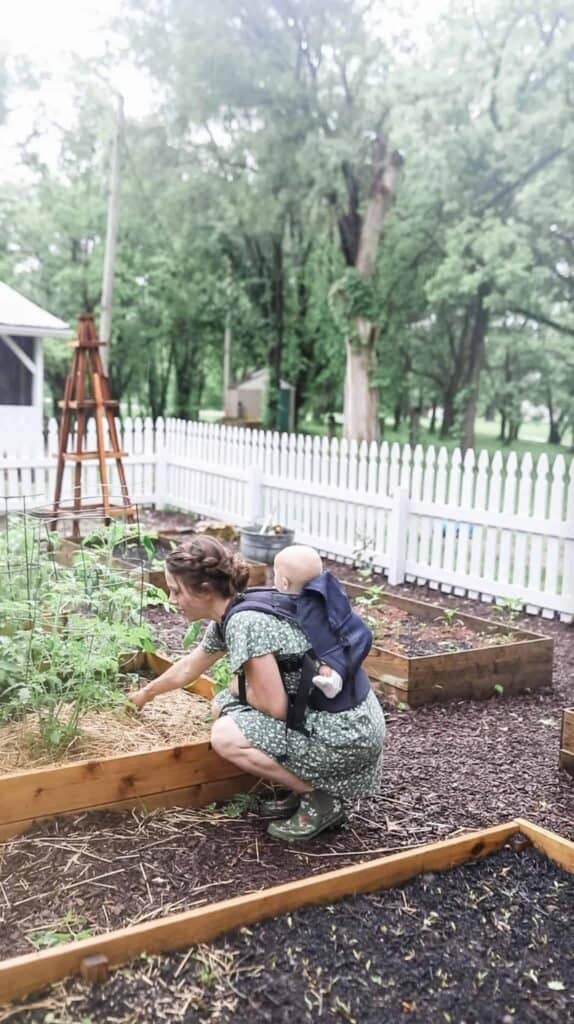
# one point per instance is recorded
(567, 741)
(23, 975)
(525, 663)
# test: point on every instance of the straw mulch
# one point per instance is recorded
(171, 720)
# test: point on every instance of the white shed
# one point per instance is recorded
(23, 326)
(245, 400)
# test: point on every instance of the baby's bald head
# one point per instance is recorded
(294, 566)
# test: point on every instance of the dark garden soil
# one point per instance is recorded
(447, 769)
(491, 941)
(401, 632)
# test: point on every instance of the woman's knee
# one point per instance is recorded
(225, 737)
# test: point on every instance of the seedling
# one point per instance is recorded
(363, 555)
(371, 596)
(450, 615)
(510, 608)
(70, 928)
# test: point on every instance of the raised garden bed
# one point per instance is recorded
(101, 732)
(135, 564)
(485, 950)
(187, 775)
(567, 741)
(126, 558)
(502, 660)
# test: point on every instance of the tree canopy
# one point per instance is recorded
(382, 215)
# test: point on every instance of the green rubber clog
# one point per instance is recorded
(281, 807)
(317, 811)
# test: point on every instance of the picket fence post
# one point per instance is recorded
(254, 502)
(397, 535)
(161, 476)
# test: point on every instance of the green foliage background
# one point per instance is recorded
(243, 186)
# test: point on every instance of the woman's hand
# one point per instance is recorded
(140, 697)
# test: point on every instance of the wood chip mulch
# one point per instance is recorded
(488, 941)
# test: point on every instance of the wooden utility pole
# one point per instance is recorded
(111, 236)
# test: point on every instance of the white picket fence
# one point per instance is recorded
(498, 528)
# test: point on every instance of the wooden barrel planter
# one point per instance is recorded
(93, 957)
(523, 662)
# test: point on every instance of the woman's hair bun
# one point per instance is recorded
(206, 561)
(239, 573)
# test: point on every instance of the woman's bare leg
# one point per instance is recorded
(230, 743)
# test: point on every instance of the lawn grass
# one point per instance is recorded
(533, 436)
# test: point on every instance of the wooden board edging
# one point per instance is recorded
(98, 783)
(556, 848)
(20, 976)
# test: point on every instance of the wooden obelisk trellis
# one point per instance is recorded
(87, 393)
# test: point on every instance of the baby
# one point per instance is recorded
(293, 567)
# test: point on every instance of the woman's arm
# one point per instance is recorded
(182, 672)
(265, 690)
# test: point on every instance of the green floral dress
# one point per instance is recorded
(342, 753)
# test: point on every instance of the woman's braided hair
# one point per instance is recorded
(205, 561)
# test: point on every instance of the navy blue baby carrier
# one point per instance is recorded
(338, 637)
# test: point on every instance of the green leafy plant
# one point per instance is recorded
(191, 635)
(63, 631)
(509, 608)
(450, 614)
(363, 556)
(221, 674)
(372, 596)
(71, 927)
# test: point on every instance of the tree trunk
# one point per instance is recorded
(448, 411)
(397, 414)
(554, 435)
(360, 411)
(554, 432)
(185, 365)
(502, 433)
(432, 424)
(513, 430)
(414, 425)
(361, 398)
(475, 357)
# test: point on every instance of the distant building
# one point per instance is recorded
(245, 401)
(23, 327)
